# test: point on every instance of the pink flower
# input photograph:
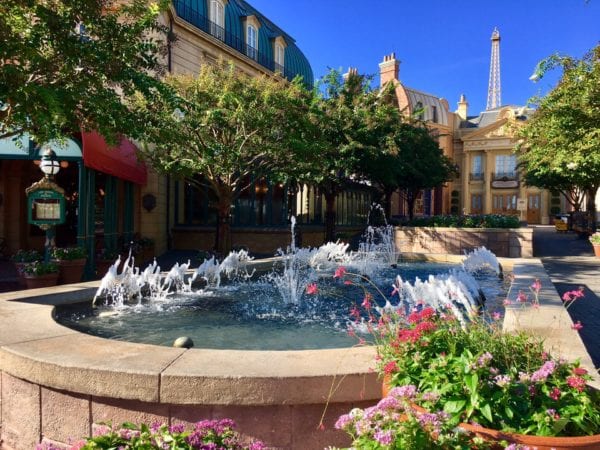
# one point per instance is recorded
(571, 296)
(312, 289)
(536, 286)
(521, 298)
(579, 371)
(339, 272)
(577, 326)
(506, 302)
(555, 393)
(348, 282)
(366, 303)
(496, 315)
(577, 383)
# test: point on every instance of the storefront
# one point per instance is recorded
(100, 187)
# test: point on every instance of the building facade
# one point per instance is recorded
(482, 147)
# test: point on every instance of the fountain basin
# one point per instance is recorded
(57, 383)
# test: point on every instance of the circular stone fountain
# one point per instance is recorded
(57, 383)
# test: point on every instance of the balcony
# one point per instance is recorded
(478, 176)
(505, 176)
(201, 22)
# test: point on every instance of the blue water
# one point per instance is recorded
(251, 315)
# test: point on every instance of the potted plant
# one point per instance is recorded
(595, 240)
(499, 387)
(39, 274)
(71, 263)
(21, 258)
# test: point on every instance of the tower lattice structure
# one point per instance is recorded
(494, 93)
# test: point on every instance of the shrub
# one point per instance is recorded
(39, 268)
(69, 253)
(26, 256)
(470, 221)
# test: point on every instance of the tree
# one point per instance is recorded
(560, 144)
(226, 129)
(349, 121)
(71, 64)
(421, 162)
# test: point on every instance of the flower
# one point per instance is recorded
(577, 326)
(312, 289)
(536, 286)
(521, 298)
(339, 272)
(595, 238)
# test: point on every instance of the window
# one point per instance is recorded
(476, 168)
(251, 41)
(434, 114)
(217, 19)
(506, 166)
(419, 112)
(476, 203)
(279, 58)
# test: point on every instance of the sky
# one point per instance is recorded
(444, 45)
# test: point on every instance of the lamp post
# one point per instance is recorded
(50, 167)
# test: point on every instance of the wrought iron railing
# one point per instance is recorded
(202, 22)
(505, 176)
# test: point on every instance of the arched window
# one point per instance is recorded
(419, 111)
(251, 41)
(217, 19)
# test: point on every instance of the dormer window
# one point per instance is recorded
(279, 58)
(217, 19)
(252, 41)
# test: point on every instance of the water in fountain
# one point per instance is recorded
(481, 259)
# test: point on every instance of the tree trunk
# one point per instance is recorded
(387, 203)
(591, 205)
(411, 197)
(329, 215)
(223, 238)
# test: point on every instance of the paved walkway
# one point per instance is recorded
(570, 263)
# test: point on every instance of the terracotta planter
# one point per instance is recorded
(70, 270)
(596, 250)
(41, 281)
(533, 442)
(537, 442)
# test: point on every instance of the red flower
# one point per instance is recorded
(366, 303)
(555, 394)
(390, 367)
(339, 272)
(579, 371)
(425, 327)
(312, 289)
(521, 298)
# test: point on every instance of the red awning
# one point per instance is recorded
(120, 161)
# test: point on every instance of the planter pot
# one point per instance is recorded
(597, 250)
(533, 442)
(537, 442)
(19, 266)
(41, 281)
(70, 270)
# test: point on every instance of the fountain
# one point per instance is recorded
(237, 303)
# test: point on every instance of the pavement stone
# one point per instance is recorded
(570, 263)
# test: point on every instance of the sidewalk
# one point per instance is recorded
(570, 263)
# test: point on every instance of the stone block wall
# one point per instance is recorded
(32, 413)
(506, 243)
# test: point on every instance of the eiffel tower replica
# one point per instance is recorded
(494, 93)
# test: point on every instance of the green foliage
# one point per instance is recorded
(38, 268)
(69, 253)
(72, 64)
(225, 129)
(26, 256)
(560, 144)
(595, 238)
(205, 434)
(472, 221)
(480, 374)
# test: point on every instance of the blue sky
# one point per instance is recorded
(444, 45)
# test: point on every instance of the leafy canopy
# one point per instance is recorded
(66, 64)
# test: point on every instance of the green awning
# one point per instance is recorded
(24, 148)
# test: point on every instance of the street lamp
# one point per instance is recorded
(49, 164)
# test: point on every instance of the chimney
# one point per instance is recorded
(463, 107)
(352, 71)
(389, 69)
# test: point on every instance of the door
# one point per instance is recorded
(533, 208)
